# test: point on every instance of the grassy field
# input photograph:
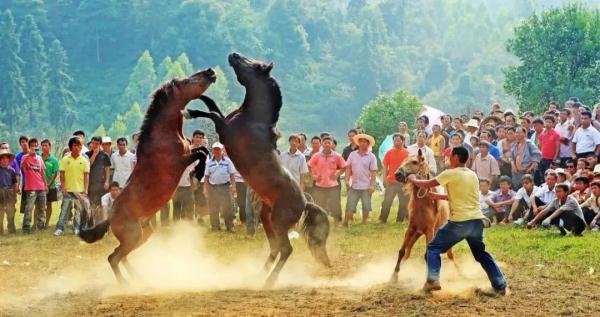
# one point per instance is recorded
(187, 271)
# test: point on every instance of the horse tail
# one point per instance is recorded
(93, 234)
(316, 231)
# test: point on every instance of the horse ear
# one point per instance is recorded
(268, 68)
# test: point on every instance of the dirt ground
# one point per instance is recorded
(186, 271)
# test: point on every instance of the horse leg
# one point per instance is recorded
(211, 105)
(285, 249)
(265, 218)
(219, 122)
(128, 234)
(410, 237)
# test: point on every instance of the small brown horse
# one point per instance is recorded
(425, 215)
(249, 137)
(162, 156)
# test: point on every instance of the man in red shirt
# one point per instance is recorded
(391, 162)
(34, 169)
(549, 146)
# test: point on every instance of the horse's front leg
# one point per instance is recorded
(211, 105)
(410, 237)
(219, 122)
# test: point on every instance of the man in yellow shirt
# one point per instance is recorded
(74, 179)
(466, 221)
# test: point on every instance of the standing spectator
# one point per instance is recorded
(472, 128)
(484, 165)
(566, 130)
(74, 179)
(52, 168)
(81, 135)
(99, 172)
(447, 128)
(302, 146)
(219, 187)
(352, 146)
(403, 129)
(437, 143)
(309, 184)
(425, 150)
(9, 186)
(458, 126)
(183, 200)
(392, 160)
(293, 160)
(538, 128)
(586, 139)
(360, 178)
(23, 141)
(525, 157)
(13, 163)
(564, 212)
(422, 123)
(326, 167)
(122, 162)
(199, 143)
(33, 169)
(549, 146)
(107, 145)
(492, 149)
(315, 146)
(509, 119)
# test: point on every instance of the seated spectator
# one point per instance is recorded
(591, 207)
(107, 201)
(564, 212)
(542, 197)
(502, 199)
(592, 160)
(521, 206)
(581, 192)
(582, 165)
(563, 177)
(484, 165)
(486, 195)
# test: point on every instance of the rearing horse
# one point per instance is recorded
(162, 156)
(425, 215)
(248, 134)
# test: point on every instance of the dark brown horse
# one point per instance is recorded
(425, 215)
(162, 156)
(249, 137)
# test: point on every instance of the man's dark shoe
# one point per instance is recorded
(432, 286)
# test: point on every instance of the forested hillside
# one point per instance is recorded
(91, 64)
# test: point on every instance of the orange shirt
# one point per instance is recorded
(393, 159)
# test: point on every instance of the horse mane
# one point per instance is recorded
(274, 89)
(159, 97)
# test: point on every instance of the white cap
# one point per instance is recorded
(217, 145)
(106, 139)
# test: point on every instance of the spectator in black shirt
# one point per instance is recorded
(99, 171)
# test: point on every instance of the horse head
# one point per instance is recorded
(190, 88)
(415, 164)
(247, 70)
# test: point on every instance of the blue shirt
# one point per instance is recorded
(219, 173)
(494, 151)
(8, 177)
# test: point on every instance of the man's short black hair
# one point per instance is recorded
(398, 135)
(294, 137)
(198, 132)
(352, 131)
(527, 178)
(484, 180)
(323, 134)
(78, 132)
(74, 141)
(538, 121)
(315, 138)
(23, 138)
(46, 141)
(303, 135)
(563, 186)
(122, 139)
(504, 179)
(31, 141)
(115, 184)
(97, 139)
(595, 183)
(576, 104)
(462, 153)
(582, 179)
(327, 137)
(566, 110)
(586, 114)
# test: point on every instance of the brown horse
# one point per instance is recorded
(162, 156)
(425, 215)
(249, 137)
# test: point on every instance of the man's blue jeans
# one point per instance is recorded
(451, 234)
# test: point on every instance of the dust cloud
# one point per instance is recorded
(180, 261)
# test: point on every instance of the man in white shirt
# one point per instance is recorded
(183, 200)
(294, 162)
(522, 201)
(565, 128)
(586, 140)
(427, 151)
(122, 163)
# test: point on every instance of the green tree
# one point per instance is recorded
(163, 69)
(133, 119)
(118, 128)
(557, 50)
(381, 116)
(35, 72)
(141, 81)
(61, 98)
(185, 64)
(100, 131)
(12, 94)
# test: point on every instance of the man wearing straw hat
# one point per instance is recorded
(360, 178)
(8, 191)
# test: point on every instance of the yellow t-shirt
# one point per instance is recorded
(462, 186)
(74, 169)
(436, 145)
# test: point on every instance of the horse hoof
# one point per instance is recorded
(186, 114)
(269, 283)
(394, 278)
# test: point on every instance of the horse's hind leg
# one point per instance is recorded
(147, 231)
(410, 237)
(129, 234)
(265, 218)
(285, 249)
